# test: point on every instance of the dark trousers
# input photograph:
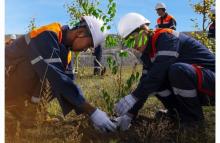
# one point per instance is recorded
(98, 57)
(180, 92)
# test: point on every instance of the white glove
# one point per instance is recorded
(102, 122)
(125, 104)
(123, 122)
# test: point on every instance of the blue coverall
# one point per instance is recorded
(98, 56)
(172, 75)
(43, 56)
(211, 32)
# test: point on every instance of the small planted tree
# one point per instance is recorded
(126, 86)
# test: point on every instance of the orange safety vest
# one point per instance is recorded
(165, 21)
(157, 33)
(57, 29)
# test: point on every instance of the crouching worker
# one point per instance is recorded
(179, 69)
(45, 54)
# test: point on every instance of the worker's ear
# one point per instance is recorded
(82, 32)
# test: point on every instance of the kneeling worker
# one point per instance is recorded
(178, 68)
(45, 54)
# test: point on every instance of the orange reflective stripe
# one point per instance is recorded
(157, 33)
(69, 57)
(199, 74)
(55, 27)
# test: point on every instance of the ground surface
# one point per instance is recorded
(72, 128)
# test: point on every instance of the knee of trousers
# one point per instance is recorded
(181, 73)
(182, 78)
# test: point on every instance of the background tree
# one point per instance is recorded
(78, 8)
(203, 8)
(32, 24)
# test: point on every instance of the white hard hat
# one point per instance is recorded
(130, 22)
(95, 25)
(13, 36)
(160, 5)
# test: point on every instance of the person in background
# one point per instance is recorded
(211, 33)
(97, 60)
(165, 20)
(11, 40)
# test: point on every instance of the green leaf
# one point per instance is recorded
(108, 27)
(109, 60)
(115, 70)
(102, 28)
(132, 77)
(140, 42)
(99, 10)
(114, 63)
(110, 1)
(104, 17)
(145, 39)
(137, 75)
(114, 4)
(123, 53)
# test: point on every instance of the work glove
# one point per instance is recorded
(102, 122)
(125, 104)
(123, 122)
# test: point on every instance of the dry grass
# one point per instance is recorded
(77, 129)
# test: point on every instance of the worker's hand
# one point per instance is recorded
(102, 122)
(123, 122)
(125, 104)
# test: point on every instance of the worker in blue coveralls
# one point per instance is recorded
(178, 69)
(98, 57)
(45, 54)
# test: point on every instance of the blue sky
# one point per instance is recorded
(19, 12)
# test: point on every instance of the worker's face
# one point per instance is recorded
(160, 12)
(10, 41)
(82, 41)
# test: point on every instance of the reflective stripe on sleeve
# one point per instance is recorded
(36, 60)
(184, 92)
(53, 60)
(69, 72)
(144, 71)
(164, 93)
(165, 53)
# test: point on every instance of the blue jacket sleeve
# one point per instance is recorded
(173, 24)
(167, 53)
(44, 54)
